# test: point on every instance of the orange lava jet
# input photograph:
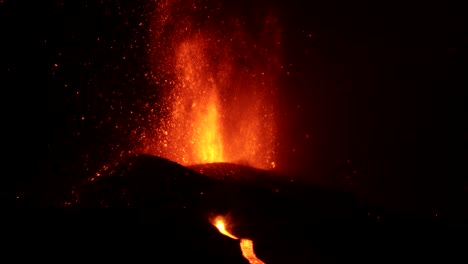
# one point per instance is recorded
(219, 223)
(245, 244)
(218, 83)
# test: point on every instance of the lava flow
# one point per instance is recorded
(218, 83)
(248, 253)
(246, 245)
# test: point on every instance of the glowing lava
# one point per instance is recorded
(219, 223)
(248, 253)
(245, 244)
(196, 107)
(218, 84)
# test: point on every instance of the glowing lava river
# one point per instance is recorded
(246, 245)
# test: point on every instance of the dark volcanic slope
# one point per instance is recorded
(146, 209)
(293, 222)
(164, 212)
(144, 181)
(228, 171)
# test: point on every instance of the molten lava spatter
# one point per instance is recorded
(219, 84)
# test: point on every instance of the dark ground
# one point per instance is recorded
(148, 208)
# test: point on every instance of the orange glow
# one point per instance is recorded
(218, 84)
(248, 252)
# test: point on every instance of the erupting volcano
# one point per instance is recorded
(320, 131)
(218, 81)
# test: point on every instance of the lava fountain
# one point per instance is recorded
(218, 79)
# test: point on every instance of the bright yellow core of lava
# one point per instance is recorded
(221, 227)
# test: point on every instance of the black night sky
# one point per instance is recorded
(373, 102)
